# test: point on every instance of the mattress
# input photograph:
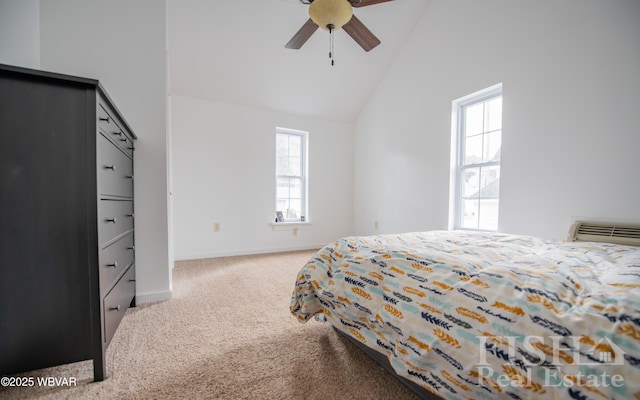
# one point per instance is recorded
(485, 315)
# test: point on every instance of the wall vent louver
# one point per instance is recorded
(586, 231)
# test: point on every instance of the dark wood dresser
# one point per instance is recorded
(67, 272)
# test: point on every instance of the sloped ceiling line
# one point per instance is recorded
(233, 52)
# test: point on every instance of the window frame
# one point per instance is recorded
(304, 175)
(456, 214)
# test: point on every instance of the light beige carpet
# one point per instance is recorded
(226, 334)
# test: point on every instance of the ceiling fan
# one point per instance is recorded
(332, 15)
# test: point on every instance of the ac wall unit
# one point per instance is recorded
(587, 231)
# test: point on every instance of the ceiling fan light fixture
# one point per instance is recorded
(334, 13)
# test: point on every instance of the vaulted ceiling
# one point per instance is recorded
(233, 51)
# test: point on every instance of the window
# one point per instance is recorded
(291, 175)
(478, 140)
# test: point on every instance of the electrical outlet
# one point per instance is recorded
(376, 225)
(295, 231)
(216, 226)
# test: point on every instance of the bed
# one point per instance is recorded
(472, 315)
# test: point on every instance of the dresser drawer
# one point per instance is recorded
(117, 301)
(125, 143)
(113, 260)
(113, 129)
(115, 170)
(115, 218)
(106, 121)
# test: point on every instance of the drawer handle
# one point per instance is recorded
(129, 177)
(116, 308)
(130, 148)
(114, 219)
(111, 167)
(132, 280)
(113, 264)
(123, 139)
(131, 248)
(130, 215)
(104, 119)
(119, 133)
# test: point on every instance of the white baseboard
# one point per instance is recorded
(142, 298)
(246, 252)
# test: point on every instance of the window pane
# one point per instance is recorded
(490, 182)
(492, 144)
(470, 214)
(282, 204)
(295, 145)
(295, 166)
(488, 214)
(282, 154)
(293, 212)
(470, 182)
(473, 150)
(295, 188)
(282, 165)
(282, 188)
(282, 143)
(493, 114)
(474, 116)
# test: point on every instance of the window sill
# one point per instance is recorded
(279, 226)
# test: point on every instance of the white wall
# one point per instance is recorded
(123, 44)
(20, 33)
(224, 172)
(571, 92)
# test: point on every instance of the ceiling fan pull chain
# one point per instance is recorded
(331, 52)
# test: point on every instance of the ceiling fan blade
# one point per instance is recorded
(364, 3)
(361, 34)
(302, 35)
